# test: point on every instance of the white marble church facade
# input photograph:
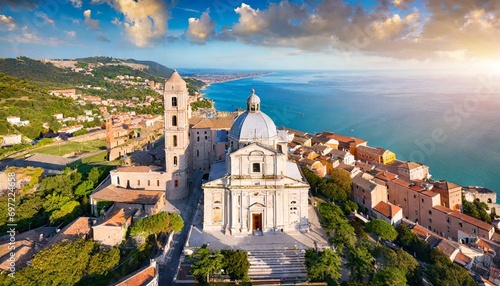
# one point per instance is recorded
(256, 188)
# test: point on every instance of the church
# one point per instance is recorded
(255, 189)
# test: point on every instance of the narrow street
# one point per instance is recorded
(168, 271)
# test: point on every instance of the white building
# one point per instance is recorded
(11, 140)
(256, 188)
(14, 119)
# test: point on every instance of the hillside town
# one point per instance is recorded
(239, 182)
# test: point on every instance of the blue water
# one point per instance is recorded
(450, 123)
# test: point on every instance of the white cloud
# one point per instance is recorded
(116, 22)
(45, 18)
(145, 21)
(76, 3)
(7, 23)
(94, 24)
(70, 34)
(34, 38)
(201, 29)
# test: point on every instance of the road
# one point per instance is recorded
(168, 271)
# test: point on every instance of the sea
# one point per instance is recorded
(446, 120)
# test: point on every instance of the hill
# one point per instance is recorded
(30, 102)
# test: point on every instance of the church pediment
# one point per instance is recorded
(256, 205)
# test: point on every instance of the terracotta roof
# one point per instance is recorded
(427, 235)
(213, 123)
(448, 247)
(386, 176)
(462, 259)
(117, 217)
(442, 209)
(387, 209)
(78, 228)
(346, 139)
(364, 181)
(343, 166)
(306, 161)
(375, 151)
(137, 278)
(338, 153)
(122, 195)
(429, 193)
(411, 165)
(444, 185)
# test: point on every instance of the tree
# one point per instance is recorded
(85, 188)
(235, 263)
(360, 262)
(205, 264)
(444, 272)
(66, 214)
(402, 260)
(382, 229)
(66, 264)
(322, 266)
(389, 276)
(156, 224)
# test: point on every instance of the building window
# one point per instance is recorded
(175, 160)
(206, 137)
(217, 214)
(460, 224)
(176, 183)
(149, 183)
(174, 143)
(197, 153)
(198, 139)
(473, 230)
(293, 202)
(414, 196)
(174, 120)
(256, 167)
(205, 132)
(138, 182)
(430, 212)
(422, 200)
(118, 180)
(157, 183)
(416, 212)
(448, 220)
(174, 101)
(430, 220)
(213, 147)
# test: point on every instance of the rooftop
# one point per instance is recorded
(387, 209)
(121, 195)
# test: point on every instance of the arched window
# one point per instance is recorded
(174, 140)
(174, 120)
(175, 160)
(174, 100)
(197, 153)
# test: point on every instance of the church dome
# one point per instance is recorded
(253, 124)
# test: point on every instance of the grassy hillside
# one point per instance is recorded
(21, 98)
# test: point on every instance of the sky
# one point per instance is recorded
(458, 35)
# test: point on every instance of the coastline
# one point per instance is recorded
(221, 78)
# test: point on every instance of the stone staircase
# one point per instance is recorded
(277, 265)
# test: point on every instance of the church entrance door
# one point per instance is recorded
(257, 221)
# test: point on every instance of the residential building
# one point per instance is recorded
(451, 194)
(344, 156)
(255, 189)
(346, 143)
(368, 191)
(458, 226)
(11, 140)
(146, 276)
(110, 229)
(379, 155)
(388, 212)
(412, 171)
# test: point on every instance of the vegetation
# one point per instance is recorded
(234, 263)
(68, 264)
(341, 233)
(201, 103)
(360, 262)
(64, 147)
(412, 244)
(444, 272)
(401, 260)
(161, 222)
(336, 188)
(382, 229)
(56, 201)
(476, 209)
(323, 266)
(389, 276)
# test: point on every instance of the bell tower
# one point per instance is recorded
(175, 99)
